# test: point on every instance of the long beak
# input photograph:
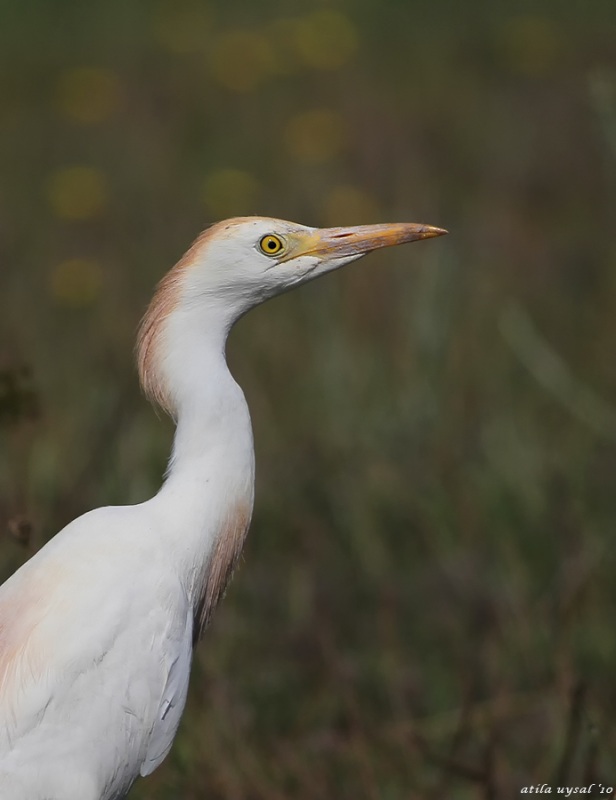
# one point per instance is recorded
(361, 239)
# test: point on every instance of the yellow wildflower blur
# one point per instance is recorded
(316, 135)
(77, 192)
(240, 60)
(88, 95)
(349, 205)
(76, 283)
(533, 44)
(229, 192)
(326, 39)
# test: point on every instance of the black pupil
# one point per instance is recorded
(271, 244)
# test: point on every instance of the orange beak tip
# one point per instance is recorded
(431, 231)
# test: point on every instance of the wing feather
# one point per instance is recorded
(173, 698)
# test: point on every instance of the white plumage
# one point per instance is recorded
(97, 629)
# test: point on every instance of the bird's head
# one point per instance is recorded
(237, 264)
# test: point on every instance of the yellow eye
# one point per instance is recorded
(271, 245)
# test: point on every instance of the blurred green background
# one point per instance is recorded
(426, 606)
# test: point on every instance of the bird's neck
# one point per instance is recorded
(208, 494)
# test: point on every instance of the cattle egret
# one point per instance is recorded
(97, 629)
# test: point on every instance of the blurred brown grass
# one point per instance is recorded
(426, 603)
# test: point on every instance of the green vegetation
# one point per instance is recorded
(427, 601)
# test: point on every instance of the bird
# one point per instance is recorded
(98, 628)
